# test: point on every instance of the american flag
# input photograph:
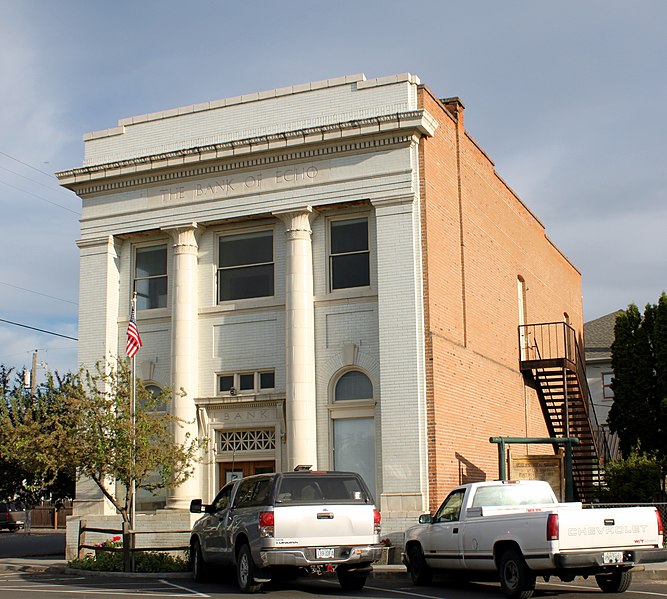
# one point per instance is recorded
(133, 337)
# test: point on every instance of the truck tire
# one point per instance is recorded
(516, 579)
(617, 582)
(351, 581)
(420, 571)
(245, 569)
(200, 569)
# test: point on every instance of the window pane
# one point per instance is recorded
(150, 281)
(267, 380)
(251, 281)
(353, 385)
(225, 383)
(247, 382)
(249, 248)
(354, 447)
(349, 236)
(151, 293)
(151, 261)
(350, 270)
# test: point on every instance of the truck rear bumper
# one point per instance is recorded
(306, 556)
(595, 559)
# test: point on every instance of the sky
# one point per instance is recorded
(567, 98)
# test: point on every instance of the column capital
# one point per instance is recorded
(184, 236)
(297, 221)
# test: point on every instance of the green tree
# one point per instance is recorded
(639, 361)
(90, 429)
(635, 479)
(21, 476)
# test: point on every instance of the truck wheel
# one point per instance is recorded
(200, 569)
(516, 579)
(349, 581)
(245, 571)
(420, 571)
(618, 582)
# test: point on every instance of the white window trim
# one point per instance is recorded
(363, 290)
(133, 274)
(245, 393)
(242, 231)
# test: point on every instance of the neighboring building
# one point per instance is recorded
(334, 273)
(598, 338)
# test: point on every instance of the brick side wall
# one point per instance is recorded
(478, 239)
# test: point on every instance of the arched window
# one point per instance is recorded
(353, 385)
(353, 426)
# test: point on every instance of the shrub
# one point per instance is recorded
(635, 479)
(144, 561)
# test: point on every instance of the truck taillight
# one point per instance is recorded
(266, 523)
(377, 519)
(552, 527)
(659, 519)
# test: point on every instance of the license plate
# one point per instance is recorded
(612, 557)
(324, 552)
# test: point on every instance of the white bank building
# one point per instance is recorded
(274, 243)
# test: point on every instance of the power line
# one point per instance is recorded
(59, 189)
(38, 293)
(25, 326)
(40, 197)
(34, 168)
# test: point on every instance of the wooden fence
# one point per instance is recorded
(128, 547)
(49, 517)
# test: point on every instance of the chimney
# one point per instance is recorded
(455, 107)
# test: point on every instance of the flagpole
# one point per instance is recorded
(131, 349)
(133, 399)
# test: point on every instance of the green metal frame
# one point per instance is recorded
(567, 441)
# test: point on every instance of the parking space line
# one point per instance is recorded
(36, 588)
(178, 586)
(408, 593)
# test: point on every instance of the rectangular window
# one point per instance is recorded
(350, 256)
(247, 383)
(245, 266)
(267, 380)
(150, 277)
(225, 383)
(607, 391)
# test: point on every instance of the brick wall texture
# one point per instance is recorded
(478, 239)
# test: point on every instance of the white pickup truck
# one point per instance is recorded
(517, 530)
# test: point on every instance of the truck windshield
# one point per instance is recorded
(512, 495)
(306, 489)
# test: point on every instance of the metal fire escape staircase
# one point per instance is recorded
(552, 363)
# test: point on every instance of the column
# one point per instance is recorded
(99, 300)
(299, 339)
(184, 350)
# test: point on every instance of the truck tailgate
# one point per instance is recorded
(328, 524)
(607, 527)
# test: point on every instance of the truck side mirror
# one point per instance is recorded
(196, 506)
(426, 519)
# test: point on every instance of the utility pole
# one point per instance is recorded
(33, 375)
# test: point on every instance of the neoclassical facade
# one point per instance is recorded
(333, 273)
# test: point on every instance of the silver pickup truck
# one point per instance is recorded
(277, 526)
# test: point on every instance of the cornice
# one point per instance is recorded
(256, 152)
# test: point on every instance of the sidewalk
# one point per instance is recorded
(59, 566)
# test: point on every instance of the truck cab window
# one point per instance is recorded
(450, 510)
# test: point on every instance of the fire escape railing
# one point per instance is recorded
(555, 343)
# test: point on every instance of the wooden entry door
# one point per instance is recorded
(229, 471)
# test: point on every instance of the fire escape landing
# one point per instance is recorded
(552, 363)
